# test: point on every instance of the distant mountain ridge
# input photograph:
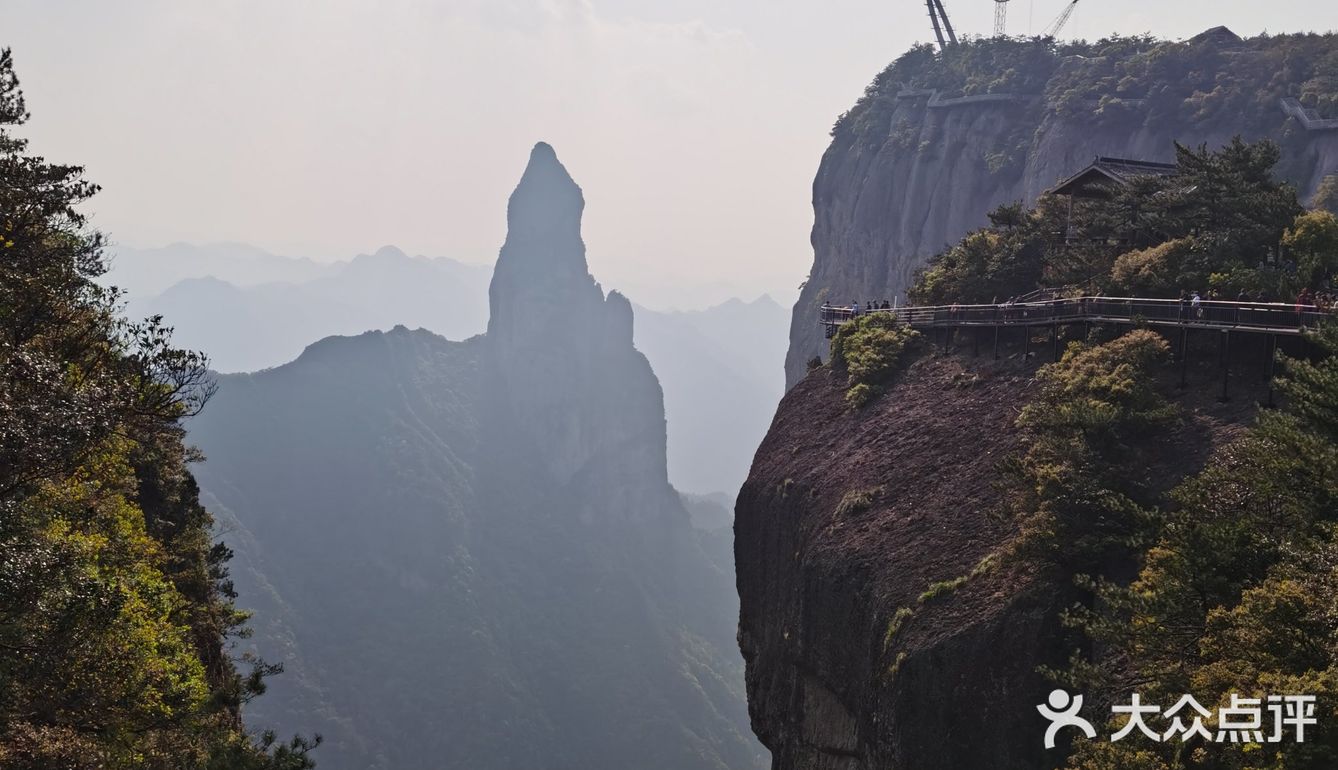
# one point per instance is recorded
(720, 367)
(245, 327)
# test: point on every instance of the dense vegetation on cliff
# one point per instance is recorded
(1212, 77)
(1006, 119)
(1222, 222)
(1235, 594)
(115, 607)
(1234, 569)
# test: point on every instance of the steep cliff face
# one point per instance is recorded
(938, 141)
(873, 638)
(469, 553)
(821, 585)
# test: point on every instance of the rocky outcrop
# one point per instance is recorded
(883, 621)
(833, 684)
(468, 553)
(923, 171)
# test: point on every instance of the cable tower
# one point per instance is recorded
(1000, 18)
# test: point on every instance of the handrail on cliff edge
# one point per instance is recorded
(1258, 317)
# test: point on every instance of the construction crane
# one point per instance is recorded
(939, 18)
(1000, 18)
(1059, 22)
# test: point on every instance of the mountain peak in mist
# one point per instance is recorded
(389, 252)
(541, 288)
(545, 210)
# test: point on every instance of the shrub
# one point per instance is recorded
(894, 626)
(943, 588)
(1153, 271)
(1078, 503)
(856, 501)
(869, 350)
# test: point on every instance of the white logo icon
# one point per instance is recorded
(1063, 712)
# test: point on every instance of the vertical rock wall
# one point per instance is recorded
(884, 203)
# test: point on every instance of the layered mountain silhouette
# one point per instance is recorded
(468, 554)
(717, 365)
(250, 326)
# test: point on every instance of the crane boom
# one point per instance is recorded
(947, 25)
(1059, 22)
(938, 28)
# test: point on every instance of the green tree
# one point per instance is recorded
(1223, 214)
(114, 601)
(1236, 590)
(1312, 242)
(1078, 503)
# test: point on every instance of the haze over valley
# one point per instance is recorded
(841, 389)
(252, 310)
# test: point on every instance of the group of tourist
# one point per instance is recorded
(853, 309)
(1324, 301)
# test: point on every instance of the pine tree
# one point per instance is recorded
(115, 605)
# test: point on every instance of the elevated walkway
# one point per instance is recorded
(1254, 317)
(1175, 318)
(1308, 118)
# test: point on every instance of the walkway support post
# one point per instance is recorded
(1184, 357)
(1226, 364)
(1026, 342)
(1272, 360)
(996, 342)
(1054, 339)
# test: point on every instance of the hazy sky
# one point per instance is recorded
(329, 127)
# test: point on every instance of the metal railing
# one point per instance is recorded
(1264, 317)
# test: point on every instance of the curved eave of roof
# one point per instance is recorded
(1075, 181)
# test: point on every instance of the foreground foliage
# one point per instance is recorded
(115, 605)
(1079, 500)
(1236, 571)
(1236, 593)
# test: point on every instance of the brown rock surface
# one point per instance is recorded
(819, 586)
